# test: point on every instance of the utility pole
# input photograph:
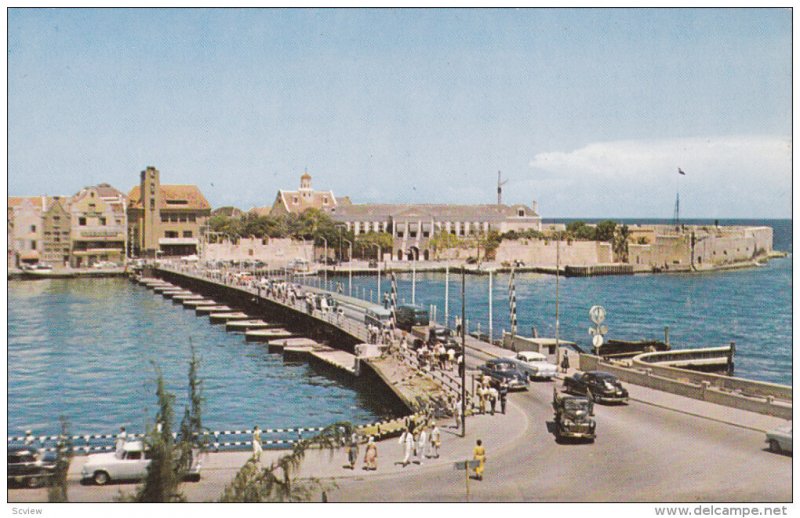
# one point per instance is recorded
(490, 306)
(447, 294)
(463, 356)
(558, 265)
(500, 189)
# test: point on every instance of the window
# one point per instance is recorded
(182, 218)
(295, 200)
(33, 228)
(521, 213)
(164, 218)
(412, 233)
(192, 218)
(324, 200)
(92, 207)
(56, 218)
(82, 222)
(187, 233)
(425, 233)
(152, 204)
(399, 233)
(102, 222)
(171, 233)
(173, 218)
(33, 244)
(134, 455)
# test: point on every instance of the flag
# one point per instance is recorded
(680, 171)
(512, 302)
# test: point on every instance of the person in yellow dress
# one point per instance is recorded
(479, 454)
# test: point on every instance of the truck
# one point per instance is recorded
(410, 315)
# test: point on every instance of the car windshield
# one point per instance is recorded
(574, 405)
(503, 367)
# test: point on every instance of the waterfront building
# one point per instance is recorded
(98, 226)
(412, 226)
(295, 202)
(165, 219)
(57, 229)
(25, 229)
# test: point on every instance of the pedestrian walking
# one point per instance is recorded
(565, 363)
(457, 412)
(461, 365)
(479, 454)
(422, 445)
(492, 398)
(29, 438)
(122, 438)
(407, 440)
(256, 443)
(503, 396)
(352, 450)
(481, 395)
(371, 455)
(436, 441)
(385, 300)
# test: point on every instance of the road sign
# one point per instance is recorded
(597, 341)
(597, 314)
(471, 464)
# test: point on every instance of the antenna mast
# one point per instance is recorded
(500, 189)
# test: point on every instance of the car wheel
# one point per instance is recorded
(774, 447)
(101, 478)
(32, 482)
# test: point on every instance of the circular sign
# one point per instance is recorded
(592, 331)
(597, 314)
(597, 340)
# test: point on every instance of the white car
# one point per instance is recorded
(129, 463)
(535, 365)
(780, 439)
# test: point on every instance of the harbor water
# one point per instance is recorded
(86, 349)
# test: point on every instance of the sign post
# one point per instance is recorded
(466, 466)
(598, 315)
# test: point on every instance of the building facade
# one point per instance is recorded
(98, 223)
(413, 226)
(295, 202)
(165, 220)
(25, 229)
(56, 227)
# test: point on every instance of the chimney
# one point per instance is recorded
(535, 207)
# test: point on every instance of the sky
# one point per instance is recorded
(590, 112)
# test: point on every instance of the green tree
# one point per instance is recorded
(605, 230)
(192, 441)
(490, 242)
(620, 243)
(366, 243)
(57, 492)
(279, 482)
(444, 241)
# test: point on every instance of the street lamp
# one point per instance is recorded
(325, 261)
(349, 267)
(378, 262)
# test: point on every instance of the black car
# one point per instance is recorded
(573, 418)
(28, 467)
(599, 386)
(502, 369)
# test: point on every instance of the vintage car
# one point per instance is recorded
(128, 463)
(780, 439)
(503, 369)
(599, 386)
(535, 365)
(28, 467)
(573, 417)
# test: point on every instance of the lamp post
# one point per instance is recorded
(325, 261)
(378, 262)
(349, 267)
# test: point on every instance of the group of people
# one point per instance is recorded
(487, 396)
(370, 453)
(420, 441)
(379, 335)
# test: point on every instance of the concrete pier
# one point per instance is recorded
(192, 303)
(339, 359)
(268, 335)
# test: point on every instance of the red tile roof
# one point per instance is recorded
(189, 193)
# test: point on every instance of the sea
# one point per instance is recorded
(89, 350)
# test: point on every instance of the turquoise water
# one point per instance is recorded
(83, 349)
(752, 307)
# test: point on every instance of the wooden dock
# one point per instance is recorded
(207, 310)
(221, 318)
(192, 303)
(268, 335)
(246, 325)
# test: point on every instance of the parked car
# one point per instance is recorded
(502, 369)
(780, 439)
(409, 315)
(28, 467)
(573, 418)
(599, 386)
(535, 365)
(128, 463)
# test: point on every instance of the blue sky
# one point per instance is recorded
(589, 112)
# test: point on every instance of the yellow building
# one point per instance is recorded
(97, 216)
(165, 220)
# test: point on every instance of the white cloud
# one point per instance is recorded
(743, 176)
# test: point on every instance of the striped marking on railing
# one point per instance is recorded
(88, 437)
